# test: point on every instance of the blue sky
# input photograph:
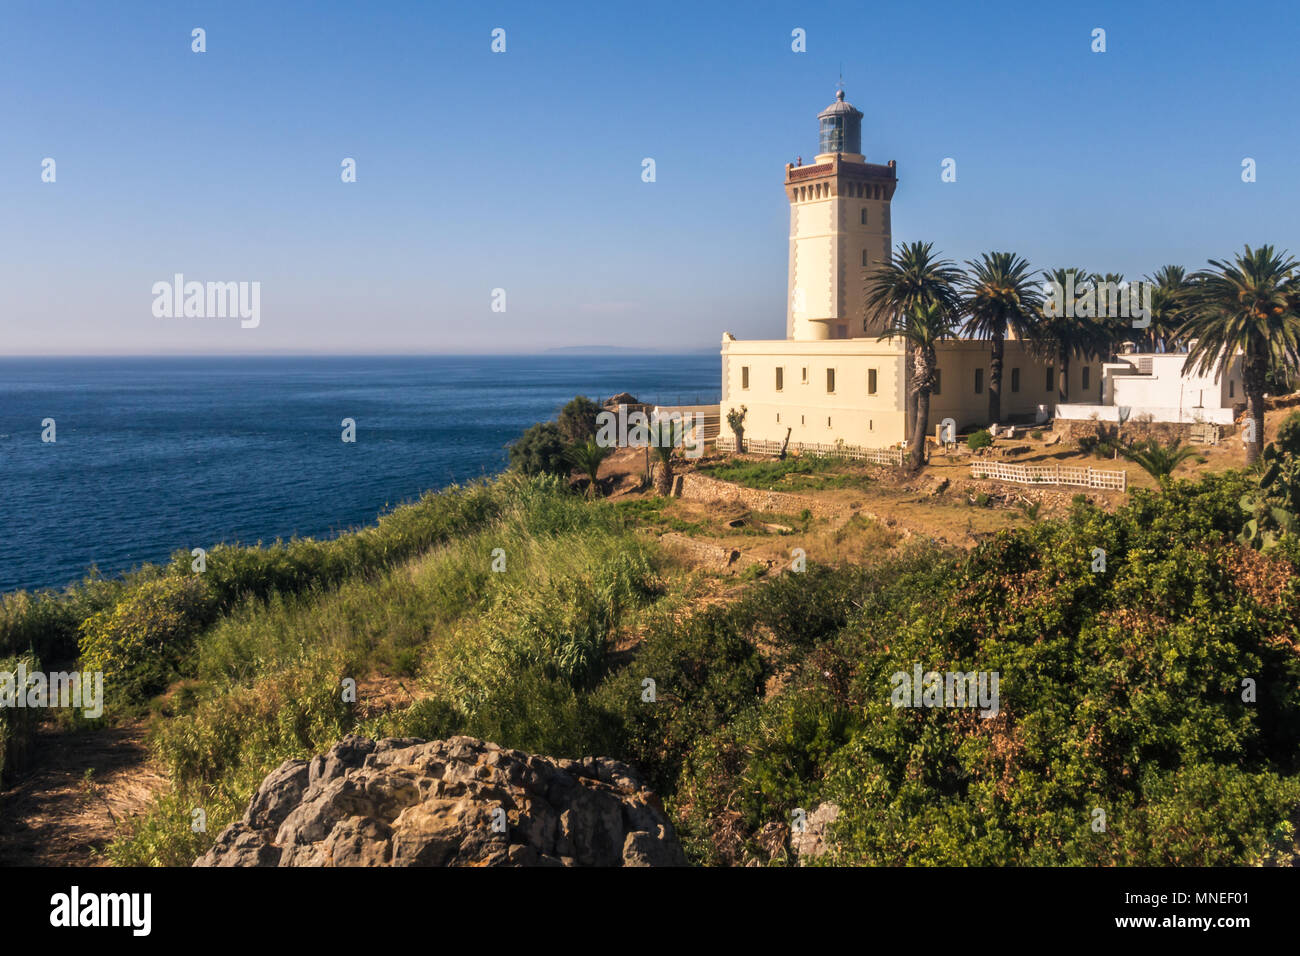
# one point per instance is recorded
(522, 170)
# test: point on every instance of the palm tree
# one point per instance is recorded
(1157, 460)
(1062, 335)
(1000, 297)
(922, 328)
(1169, 298)
(665, 436)
(587, 457)
(1250, 305)
(912, 277)
(1113, 329)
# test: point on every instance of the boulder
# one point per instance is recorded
(455, 802)
(810, 842)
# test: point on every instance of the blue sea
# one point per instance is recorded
(158, 454)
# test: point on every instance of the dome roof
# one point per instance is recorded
(839, 107)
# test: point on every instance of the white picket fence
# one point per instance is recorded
(1050, 475)
(875, 456)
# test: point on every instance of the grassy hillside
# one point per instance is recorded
(517, 611)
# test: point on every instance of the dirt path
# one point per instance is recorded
(52, 816)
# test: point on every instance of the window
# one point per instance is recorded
(1051, 374)
(805, 374)
(979, 380)
(780, 378)
(744, 376)
(935, 389)
(1232, 389)
(1015, 380)
(828, 421)
(1086, 370)
(864, 215)
(866, 261)
(801, 421)
(871, 381)
(830, 380)
(778, 418)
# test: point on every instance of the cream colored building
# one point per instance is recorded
(832, 379)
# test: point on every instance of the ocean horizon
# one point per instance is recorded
(154, 454)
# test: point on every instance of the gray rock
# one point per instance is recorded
(812, 842)
(455, 802)
(279, 793)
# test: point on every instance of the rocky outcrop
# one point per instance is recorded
(455, 802)
(810, 842)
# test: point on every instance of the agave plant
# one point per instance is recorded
(1274, 505)
(1157, 460)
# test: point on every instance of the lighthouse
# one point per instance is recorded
(839, 229)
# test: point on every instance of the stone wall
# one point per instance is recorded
(1163, 432)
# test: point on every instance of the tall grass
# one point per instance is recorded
(265, 682)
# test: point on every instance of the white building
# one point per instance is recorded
(1161, 387)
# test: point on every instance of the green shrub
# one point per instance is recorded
(980, 439)
(804, 608)
(1288, 435)
(17, 724)
(139, 642)
(577, 420)
(1119, 690)
(46, 623)
(705, 671)
(541, 450)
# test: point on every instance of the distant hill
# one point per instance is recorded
(616, 349)
(598, 350)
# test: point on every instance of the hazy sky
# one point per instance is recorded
(522, 170)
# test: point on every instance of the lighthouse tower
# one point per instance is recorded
(839, 230)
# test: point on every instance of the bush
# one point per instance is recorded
(540, 451)
(17, 724)
(802, 609)
(138, 643)
(1118, 690)
(46, 623)
(1288, 435)
(577, 421)
(706, 671)
(980, 439)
